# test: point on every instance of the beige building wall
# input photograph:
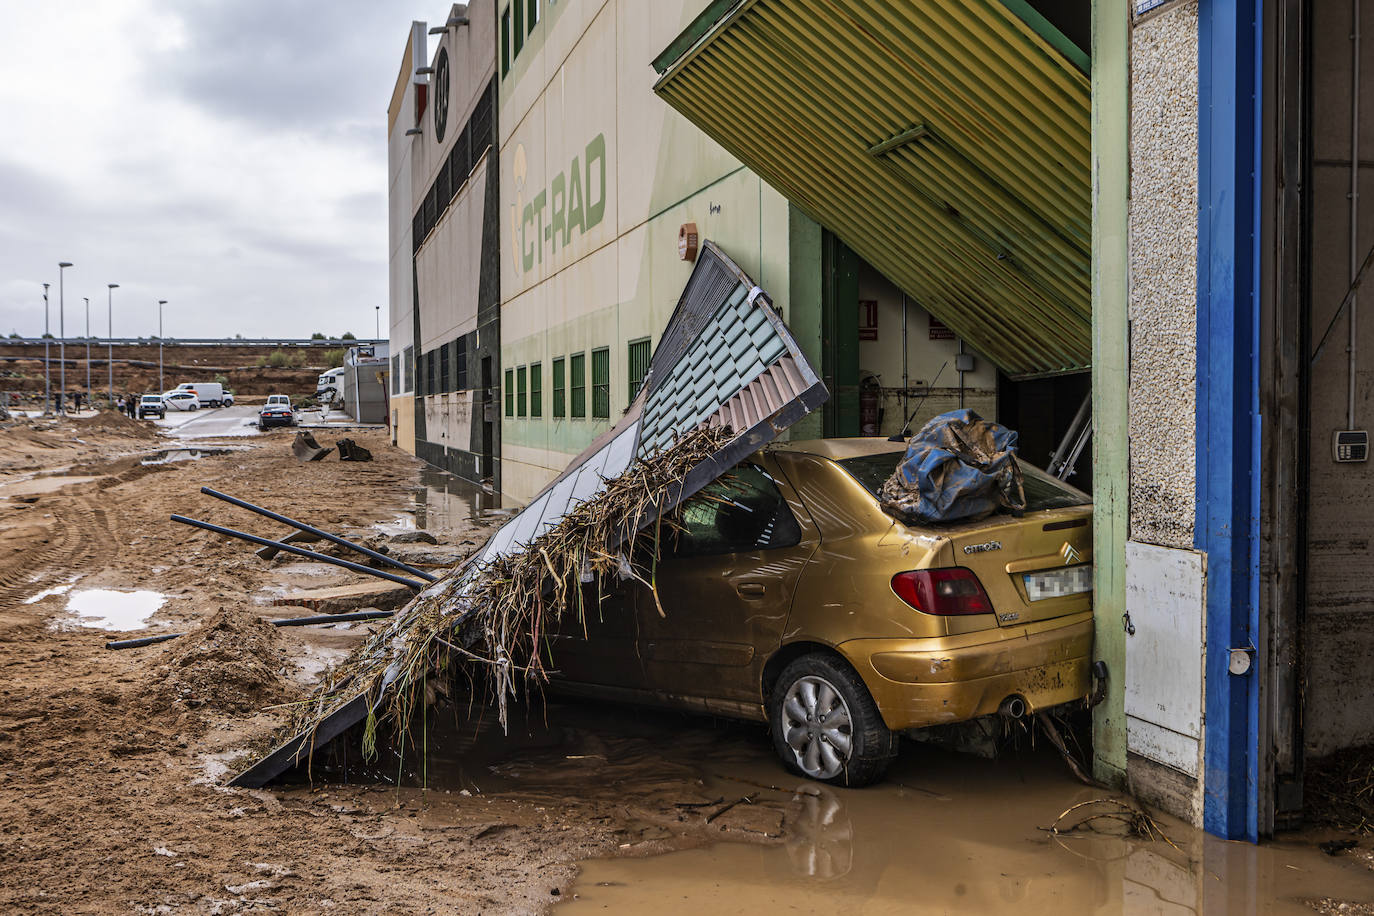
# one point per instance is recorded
(597, 176)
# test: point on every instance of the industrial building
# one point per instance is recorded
(1001, 203)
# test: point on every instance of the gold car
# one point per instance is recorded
(785, 594)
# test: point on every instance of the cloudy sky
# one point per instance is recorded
(228, 156)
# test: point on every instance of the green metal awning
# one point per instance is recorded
(946, 141)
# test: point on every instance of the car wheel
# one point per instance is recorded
(826, 726)
(216, 404)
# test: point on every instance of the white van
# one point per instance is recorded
(211, 394)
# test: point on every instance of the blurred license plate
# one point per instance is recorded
(1060, 583)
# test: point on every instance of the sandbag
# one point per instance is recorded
(959, 467)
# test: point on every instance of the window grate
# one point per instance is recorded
(637, 362)
(559, 389)
(601, 383)
(536, 389)
(520, 392)
(510, 392)
(578, 370)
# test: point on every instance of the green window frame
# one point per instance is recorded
(601, 383)
(520, 392)
(505, 41)
(560, 407)
(510, 392)
(536, 389)
(578, 370)
(637, 364)
(518, 31)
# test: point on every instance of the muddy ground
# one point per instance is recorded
(112, 764)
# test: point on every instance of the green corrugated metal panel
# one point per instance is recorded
(947, 142)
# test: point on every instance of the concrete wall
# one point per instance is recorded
(1339, 645)
(401, 117)
(597, 176)
(1165, 576)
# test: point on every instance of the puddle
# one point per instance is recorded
(48, 593)
(108, 609)
(445, 502)
(170, 455)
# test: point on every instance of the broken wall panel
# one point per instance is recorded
(722, 319)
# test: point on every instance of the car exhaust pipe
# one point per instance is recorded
(1013, 707)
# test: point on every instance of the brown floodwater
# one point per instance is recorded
(952, 834)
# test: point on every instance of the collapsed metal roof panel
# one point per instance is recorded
(722, 319)
(947, 142)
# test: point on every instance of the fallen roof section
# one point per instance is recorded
(947, 142)
(727, 372)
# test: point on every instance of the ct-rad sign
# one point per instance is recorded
(574, 199)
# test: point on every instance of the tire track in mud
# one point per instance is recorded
(78, 535)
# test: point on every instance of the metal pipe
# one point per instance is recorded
(281, 622)
(300, 552)
(961, 374)
(1352, 347)
(301, 526)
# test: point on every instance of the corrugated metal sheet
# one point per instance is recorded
(947, 142)
(758, 384)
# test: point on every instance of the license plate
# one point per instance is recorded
(1059, 584)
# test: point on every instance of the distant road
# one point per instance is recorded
(211, 421)
(196, 341)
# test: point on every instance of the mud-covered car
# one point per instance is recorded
(151, 405)
(786, 594)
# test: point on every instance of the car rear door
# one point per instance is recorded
(725, 584)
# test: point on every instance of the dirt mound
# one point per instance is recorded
(109, 421)
(231, 663)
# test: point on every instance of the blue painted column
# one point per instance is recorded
(1229, 426)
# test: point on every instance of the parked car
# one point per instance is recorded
(211, 394)
(790, 597)
(150, 405)
(276, 412)
(181, 400)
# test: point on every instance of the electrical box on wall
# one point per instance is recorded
(1349, 445)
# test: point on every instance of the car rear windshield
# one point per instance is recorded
(1042, 490)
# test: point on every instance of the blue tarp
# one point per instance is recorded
(959, 466)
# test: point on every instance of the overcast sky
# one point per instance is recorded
(228, 156)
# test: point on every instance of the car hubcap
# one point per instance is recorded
(817, 727)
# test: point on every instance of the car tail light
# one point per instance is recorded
(945, 592)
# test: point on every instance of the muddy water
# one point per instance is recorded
(171, 455)
(951, 834)
(445, 502)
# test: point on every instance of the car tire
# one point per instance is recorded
(216, 404)
(820, 687)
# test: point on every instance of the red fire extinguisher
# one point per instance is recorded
(870, 406)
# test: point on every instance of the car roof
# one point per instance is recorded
(839, 449)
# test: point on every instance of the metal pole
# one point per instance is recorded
(47, 358)
(1353, 345)
(109, 341)
(62, 335)
(160, 386)
(299, 551)
(301, 526)
(378, 332)
(88, 349)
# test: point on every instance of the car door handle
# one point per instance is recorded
(750, 589)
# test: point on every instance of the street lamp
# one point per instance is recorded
(88, 350)
(62, 336)
(378, 334)
(109, 341)
(160, 386)
(47, 360)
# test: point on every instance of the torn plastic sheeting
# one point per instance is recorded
(710, 306)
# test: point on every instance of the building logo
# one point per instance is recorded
(574, 199)
(441, 95)
(1070, 555)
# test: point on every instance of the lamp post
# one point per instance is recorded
(62, 336)
(160, 386)
(88, 350)
(47, 360)
(378, 333)
(109, 340)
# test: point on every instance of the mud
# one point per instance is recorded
(112, 764)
